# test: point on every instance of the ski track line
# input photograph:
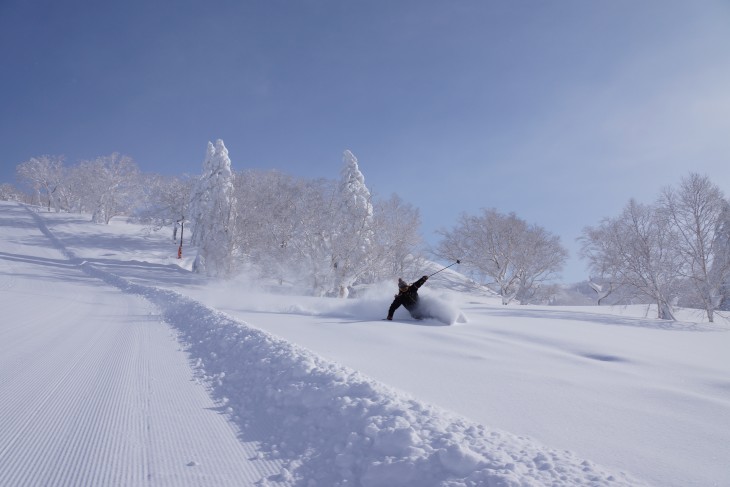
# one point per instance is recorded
(36, 422)
(87, 445)
(42, 375)
(61, 397)
(108, 428)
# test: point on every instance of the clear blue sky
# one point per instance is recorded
(559, 111)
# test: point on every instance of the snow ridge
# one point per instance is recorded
(332, 426)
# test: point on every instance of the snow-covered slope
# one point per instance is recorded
(322, 392)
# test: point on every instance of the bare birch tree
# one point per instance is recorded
(397, 238)
(695, 209)
(519, 259)
(636, 250)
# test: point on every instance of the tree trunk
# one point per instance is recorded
(665, 311)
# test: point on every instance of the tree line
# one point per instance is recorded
(326, 236)
(322, 236)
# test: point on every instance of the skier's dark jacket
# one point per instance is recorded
(408, 297)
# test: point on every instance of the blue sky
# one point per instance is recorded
(559, 111)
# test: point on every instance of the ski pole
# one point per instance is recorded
(457, 262)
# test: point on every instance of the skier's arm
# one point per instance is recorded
(419, 282)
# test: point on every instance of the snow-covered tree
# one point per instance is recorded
(77, 184)
(166, 200)
(212, 213)
(636, 250)
(106, 187)
(397, 238)
(321, 235)
(721, 249)
(283, 224)
(44, 174)
(519, 259)
(352, 234)
(8, 192)
(313, 242)
(541, 259)
(695, 209)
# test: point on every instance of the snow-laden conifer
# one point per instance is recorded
(352, 236)
(212, 213)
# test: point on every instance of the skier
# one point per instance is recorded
(408, 297)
